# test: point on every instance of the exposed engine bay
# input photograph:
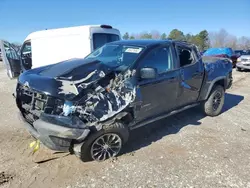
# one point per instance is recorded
(93, 99)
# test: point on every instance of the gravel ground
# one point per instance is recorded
(187, 150)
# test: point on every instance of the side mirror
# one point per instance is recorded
(148, 73)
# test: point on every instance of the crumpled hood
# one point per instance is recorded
(66, 79)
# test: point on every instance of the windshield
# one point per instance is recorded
(115, 55)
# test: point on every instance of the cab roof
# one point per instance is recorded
(147, 42)
(142, 42)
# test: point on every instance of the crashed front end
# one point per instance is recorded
(63, 124)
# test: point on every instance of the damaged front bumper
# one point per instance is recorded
(58, 132)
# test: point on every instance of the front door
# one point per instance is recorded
(158, 95)
(10, 59)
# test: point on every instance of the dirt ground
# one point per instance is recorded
(187, 150)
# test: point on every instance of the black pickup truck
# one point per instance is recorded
(88, 106)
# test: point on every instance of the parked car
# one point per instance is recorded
(89, 106)
(223, 52)
(239, 52)
(54, 45)
(243, 62)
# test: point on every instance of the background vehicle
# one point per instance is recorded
(55, 45)
(88, 106)
(222, 52)
(243, 62)
(239, 52)
(242, 52)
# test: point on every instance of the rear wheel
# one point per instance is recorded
(238, 69)
(105, 144)
(214, 104)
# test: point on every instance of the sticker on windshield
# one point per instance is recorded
(133, 50)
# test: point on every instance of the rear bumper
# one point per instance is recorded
(54, 135)
(240, 65)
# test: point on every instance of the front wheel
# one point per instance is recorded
(238, 69)
(105, 144)
(214, 104)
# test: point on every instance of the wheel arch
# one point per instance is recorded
(217, 81)
(125, 117)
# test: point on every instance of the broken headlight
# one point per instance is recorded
(62, 108)
(54, 106)
(68, 108)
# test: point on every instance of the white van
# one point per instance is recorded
(52, 46)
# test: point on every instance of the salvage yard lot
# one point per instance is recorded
(187, 150)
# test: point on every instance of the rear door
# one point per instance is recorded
(192, 73)
(10, 59)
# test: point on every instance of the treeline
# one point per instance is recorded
(224, 39)
(203, 39)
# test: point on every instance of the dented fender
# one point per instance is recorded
(106, 101)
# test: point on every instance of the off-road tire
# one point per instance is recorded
(208, 104)
(117, 128)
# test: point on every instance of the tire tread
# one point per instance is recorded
(207, 105)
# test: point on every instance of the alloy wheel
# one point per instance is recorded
(216, 100)
(106, 146)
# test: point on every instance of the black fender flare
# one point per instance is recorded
(118, 117)
(213, 83)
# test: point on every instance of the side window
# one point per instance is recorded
(26, 55)
(99, 39)
(26, 50)
(159, 58)
(186, 56)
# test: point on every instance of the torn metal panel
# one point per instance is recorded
(117, 95)
(106, 101)
(74, 87)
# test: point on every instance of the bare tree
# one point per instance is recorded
(155, 34)
(232, 42)
(134, 36)
(244, 43)
(145, 35)
(218, 39)
(212, 39)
